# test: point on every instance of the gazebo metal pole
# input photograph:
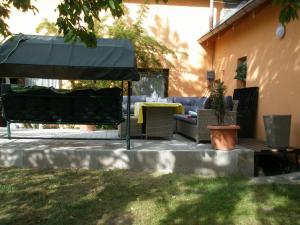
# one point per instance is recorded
(8, 130)
(128, 115)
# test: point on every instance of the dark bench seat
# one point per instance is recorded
(46, 105)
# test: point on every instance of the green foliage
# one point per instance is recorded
(241, 71)
(218, 105)
(47, 26)
(5, 10)
(96, 84)
(76, 17)
(150, 53)
(289, 10)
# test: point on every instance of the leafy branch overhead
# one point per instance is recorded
(5, 10)
(76, 17)
(289, 10)
(47, 26)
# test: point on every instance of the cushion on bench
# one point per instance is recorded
(186, 118)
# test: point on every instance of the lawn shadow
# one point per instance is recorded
(30, 196)
(74, 196)
(211, 204)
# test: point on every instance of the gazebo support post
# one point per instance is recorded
(8, 130)
(128, 116)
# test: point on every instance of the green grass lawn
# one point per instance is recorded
(122, 197)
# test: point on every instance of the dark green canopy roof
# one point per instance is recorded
(50, 57)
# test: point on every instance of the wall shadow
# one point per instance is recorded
(186, 78)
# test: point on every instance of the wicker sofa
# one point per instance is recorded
(194, 125)
(190, 126)
(196, 128)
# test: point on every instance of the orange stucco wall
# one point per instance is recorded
(273, 64)
(178, 24)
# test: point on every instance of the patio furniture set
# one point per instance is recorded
(188, 116)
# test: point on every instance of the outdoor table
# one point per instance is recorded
(157, 117)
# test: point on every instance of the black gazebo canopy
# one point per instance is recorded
(33, 56)
(51, 58)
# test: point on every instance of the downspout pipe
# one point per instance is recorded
(211, 27)
(211, 15)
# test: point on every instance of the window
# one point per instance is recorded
(153, 84)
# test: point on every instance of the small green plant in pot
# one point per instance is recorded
(223, 135)
(218, 105)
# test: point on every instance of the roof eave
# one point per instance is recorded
(245, 9)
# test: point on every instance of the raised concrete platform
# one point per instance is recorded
(164, 156)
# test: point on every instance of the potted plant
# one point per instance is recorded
(223, 136)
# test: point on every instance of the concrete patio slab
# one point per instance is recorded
(166, 156)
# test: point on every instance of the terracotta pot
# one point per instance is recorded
(223, 137)
(88, 127)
